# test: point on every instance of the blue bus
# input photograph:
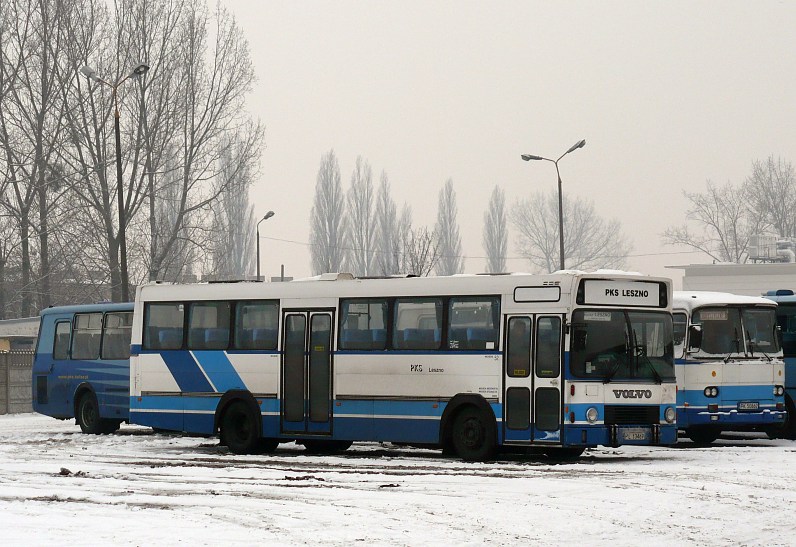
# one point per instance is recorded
(546, 363)
(786, 319)
(81, 368)
(730, 372)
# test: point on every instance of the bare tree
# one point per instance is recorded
(31, 130)
(388, 237)
(771, 190)
(495, 232)
(447, 231)
(724, 220)
(590, 242)
(234, 224)
(327, 223)
(420, 252)
(361, 229)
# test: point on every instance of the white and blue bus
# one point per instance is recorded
(730, 372)
(81, 367)
(552, 363)
(786, 319)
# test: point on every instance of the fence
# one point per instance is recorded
(15, 382)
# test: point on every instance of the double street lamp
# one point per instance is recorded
(529, 157)
(268, 215)
(92, 75)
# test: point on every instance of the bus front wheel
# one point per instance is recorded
(474, 435)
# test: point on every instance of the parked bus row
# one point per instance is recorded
(547, 363)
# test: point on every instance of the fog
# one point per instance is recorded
(667, 96)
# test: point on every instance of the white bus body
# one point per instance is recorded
(729, 366)
(465, 362)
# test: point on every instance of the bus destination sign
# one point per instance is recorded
(621, 293)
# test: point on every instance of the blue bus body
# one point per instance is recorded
(81, 368)
(786, 319)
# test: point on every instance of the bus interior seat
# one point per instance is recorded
(216, 338)
(264, 338)
(477, 337)
(169, 338)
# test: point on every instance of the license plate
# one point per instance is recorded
(635, 434)
(748, 405)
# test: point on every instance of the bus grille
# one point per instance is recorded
(631, 414)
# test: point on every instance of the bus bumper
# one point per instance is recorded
(617, 435)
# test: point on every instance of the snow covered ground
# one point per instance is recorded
(60, 487)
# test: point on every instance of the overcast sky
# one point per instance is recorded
(666, 94)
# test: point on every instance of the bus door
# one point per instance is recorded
(306, 405)
(532, 379)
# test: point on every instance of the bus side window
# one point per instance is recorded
(163, 326)
(679, 323)
(63, 331)
(256, 325)
(116, 335)
(88, 332)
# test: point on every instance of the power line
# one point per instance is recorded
(305, 244)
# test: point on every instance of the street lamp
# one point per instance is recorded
(91, 74)
(268, 215)
(528, 157)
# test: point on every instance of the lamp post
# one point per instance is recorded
(92, 75)
(268, 215)
(528, 157)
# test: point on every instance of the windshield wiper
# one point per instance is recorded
(615, 369)
(737, 349)
(640, 350)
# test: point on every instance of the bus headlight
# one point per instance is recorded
(669, 415)
(591, 415)
(779, 391)
(711, 391)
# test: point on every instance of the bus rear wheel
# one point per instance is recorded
(703, 435)
(88, 416)
(319, 446)
(239, 431)
(474, 435)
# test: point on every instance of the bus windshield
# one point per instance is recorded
(736, 331)
(613, 345)
(786, 317)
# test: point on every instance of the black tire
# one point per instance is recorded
(88, 416)
(565, 454)
(474, 435)
(240, 431)
(788, 430)
(702, 435)
(324, 446)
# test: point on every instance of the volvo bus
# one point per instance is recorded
(81, 367)
(728, 362)
(551, 363)
(786, 319)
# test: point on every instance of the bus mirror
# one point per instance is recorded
(778, 331)
(694, 337)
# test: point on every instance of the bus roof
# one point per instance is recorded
(86, 308)
(781, 296)
(334, 285)
(689, 300)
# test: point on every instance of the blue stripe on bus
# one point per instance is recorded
(220, 371)
(186, 371)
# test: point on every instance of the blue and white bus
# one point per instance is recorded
(81, 368)
(786, 319)
(730, 372)
(551, 363)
